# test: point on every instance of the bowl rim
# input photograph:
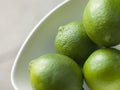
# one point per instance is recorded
(27, 39)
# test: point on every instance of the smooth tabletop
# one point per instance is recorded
(17, 19)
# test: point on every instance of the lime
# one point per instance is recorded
(102, 69)
(72, 41)
(101, 20)
(55, 72)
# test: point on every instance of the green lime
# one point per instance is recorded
(101, 20)
(102, 69)
(55, 72)
(72, 41)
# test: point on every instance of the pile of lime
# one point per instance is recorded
(84, 51)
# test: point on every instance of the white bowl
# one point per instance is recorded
(41, 40)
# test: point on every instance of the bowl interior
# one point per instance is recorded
(41, 40)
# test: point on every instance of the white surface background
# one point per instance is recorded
(17, 19)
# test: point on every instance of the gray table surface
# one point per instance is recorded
(17, 19)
